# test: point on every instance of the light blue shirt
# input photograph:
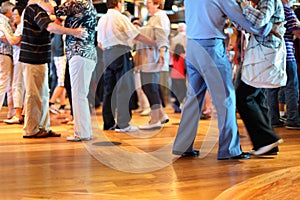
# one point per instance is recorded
(210, 19)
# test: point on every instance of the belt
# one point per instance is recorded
(116, 46)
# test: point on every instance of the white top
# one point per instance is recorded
(157, 28)
(115, 29)
(16, 48)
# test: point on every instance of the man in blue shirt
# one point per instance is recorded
(208, 67)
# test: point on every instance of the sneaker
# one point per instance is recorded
(66, 120)
(266, 148)
(138, 110)
(53, 109)
(272, 152)
(61, 111)
(164, 119)
(71, 122)
(13, 120)
(146, 112)
(294, 126)
(277, 125)
(176, 108)
(156, 125)
(75, 138)
(283, 118)
(129, 128)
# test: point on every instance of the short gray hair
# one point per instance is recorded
(5, 6)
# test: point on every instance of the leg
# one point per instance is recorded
(191, 112)
(18, 89)
(36, 99)
(291, 95)
(252, 106)
(80, 72)
(68, 86)
(151, 89)
(272, 97)
(6, 68)
(107, 111)
(124, 90)
(217, 73)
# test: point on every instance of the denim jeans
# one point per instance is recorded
(208, 67)
(150, 86)
(291, 97)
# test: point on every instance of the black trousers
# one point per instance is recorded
(254, 111)
(118, 87)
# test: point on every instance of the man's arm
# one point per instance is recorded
(259, 17)
(145, 39)
(9, 38)
(234, 12)
(80, 33)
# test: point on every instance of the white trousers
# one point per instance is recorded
(6, 73)
(18, 88)
(36, 98)
(81, 70)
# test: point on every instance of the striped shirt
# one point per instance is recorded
(35, 42)
(290, 26)
(266, 11)
(5, 49)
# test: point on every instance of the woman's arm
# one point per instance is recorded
(11, 39)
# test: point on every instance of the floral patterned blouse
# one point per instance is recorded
(79, 13)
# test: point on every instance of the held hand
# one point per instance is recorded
(161, 57)
(81, 33)
(278, 29)
(244, 4)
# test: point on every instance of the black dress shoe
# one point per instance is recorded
(243, 155)
(193, 153)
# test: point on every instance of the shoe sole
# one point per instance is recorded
(122, 131)
(152, 128)
(270, 146)
(292, 128)
(12, 122)
(78, 139)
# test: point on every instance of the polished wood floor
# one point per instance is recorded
(140, 165)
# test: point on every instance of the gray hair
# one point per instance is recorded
(5, 6)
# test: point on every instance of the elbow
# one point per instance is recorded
(51, 27)
(266, 29)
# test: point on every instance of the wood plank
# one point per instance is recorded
(53, 168)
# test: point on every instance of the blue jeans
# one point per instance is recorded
(150, 86)
(291, 97)
(208, 67)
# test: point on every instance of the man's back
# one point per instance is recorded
(115, 29)
(35, 43)
(205, 19)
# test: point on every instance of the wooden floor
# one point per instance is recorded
(140, 165)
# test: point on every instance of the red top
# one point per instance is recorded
(178, 70)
